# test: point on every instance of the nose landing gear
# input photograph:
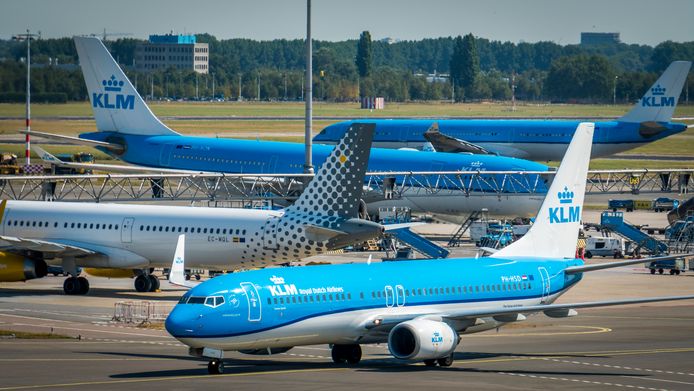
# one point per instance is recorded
(215, 367)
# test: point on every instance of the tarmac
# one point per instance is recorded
(642, 347)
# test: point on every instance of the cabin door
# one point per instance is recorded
(253, 301)
(126, 230)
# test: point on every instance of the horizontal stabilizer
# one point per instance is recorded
(392, 227)
(609, 265)
(76, 140)
(319, 234)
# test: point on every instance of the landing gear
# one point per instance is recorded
(445, 361)
(215, 367)
(442, 362)
(76, 286)
(146, 283)
(346, 354)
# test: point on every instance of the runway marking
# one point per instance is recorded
(661, 380)
(618, 367)
(591, 330)
(634, 317)
(160, 379)
(609, 384)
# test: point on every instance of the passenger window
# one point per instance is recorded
(217, 231)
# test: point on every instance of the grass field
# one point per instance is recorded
(296, 109)
(292, 129)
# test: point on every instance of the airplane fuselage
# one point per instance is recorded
(267, 157)
(539, 140)
(279, 308)
(143, 236)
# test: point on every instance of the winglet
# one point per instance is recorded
(555, 231)
(46, 157)
(177, 274)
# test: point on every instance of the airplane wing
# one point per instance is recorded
(177, 274)
(14, 244)
(76, 140)
(47, 157)
(443, 143)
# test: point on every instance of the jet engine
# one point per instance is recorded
(18, 268)
(422, 339)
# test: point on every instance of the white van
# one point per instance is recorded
(604, 247)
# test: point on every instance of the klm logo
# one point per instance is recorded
(565, 213)
(436, 338)
(112, 98)
(283, 290)
(658, 98)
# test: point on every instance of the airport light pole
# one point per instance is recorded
(614, 91)
(308, 165)
(28, 36)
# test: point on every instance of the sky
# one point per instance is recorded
(639, 21)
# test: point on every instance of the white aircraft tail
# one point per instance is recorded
(116, 104)
(659, 102)
(337, 187)
(555, 231)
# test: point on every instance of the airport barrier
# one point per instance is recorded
(283, 188)
(141, 312)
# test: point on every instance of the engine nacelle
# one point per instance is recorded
(18, 268)
(422, 339)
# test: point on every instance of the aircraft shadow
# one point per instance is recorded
(104, 293)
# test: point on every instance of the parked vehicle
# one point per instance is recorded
(621, 204)
(605, 247)
(665, 204)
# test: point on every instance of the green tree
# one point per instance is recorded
(363, 60)
(465, 66)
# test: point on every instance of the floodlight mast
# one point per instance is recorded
(308, 99)
(28, 36)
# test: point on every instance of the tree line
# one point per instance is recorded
(461, 68)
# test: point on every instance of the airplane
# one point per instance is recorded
(114, 240)
(419, 309)
(129, 131)
(539, 140)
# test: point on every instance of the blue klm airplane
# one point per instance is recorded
(129, 131)
(419, 308)
(540, 140)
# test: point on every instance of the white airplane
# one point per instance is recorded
(420, 309)
(140, 237)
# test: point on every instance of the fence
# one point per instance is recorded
(141, 312)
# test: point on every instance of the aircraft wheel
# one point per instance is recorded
(197, 277)
(71, 286)
(143, 283)
(652, 271)
(661, 271)
(445, 361)
(353, 354)
(672, 272)
(215, 367)
(588, 254)
(677, 272)
(430, 363)
(339, 354)
(154, 281)
(83, 286)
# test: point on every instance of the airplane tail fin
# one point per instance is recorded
(115, 102)
(659, 102)
(337, 187)
(177, 274)
(555, 231)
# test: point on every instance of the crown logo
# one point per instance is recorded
(277, 280)
(658, 90)
(112, 84)
(566, 196)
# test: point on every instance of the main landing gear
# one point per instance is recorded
(76, 286)
(146, 283)
(346, 354)
(442, 362)
(215, 367)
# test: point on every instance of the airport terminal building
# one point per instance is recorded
(177, 51)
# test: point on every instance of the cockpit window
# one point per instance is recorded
(214, 301)
(196, 300)
(183, 299)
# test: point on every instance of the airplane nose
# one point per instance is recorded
(179, 323)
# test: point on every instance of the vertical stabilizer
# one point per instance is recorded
(337, 187)
(555, 231)
(116, 104)
(659, 102)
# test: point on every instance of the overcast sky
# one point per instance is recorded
(639, 21)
